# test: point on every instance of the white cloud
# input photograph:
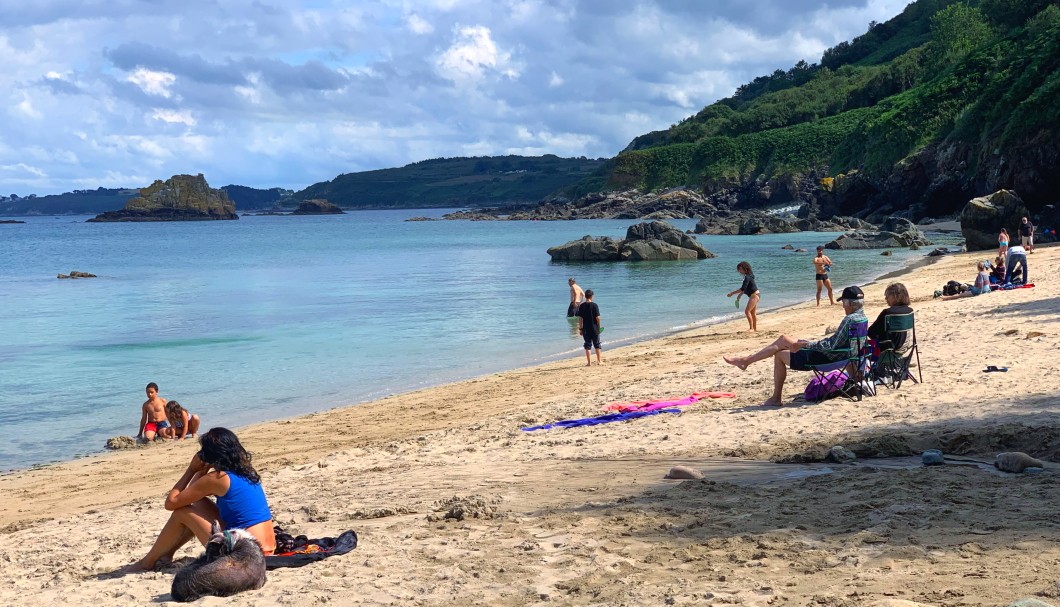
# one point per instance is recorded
(301, 92)
(23, 168)
(418, 25)
(26, 107)
(174, 116)
(152, 82)
(472, 54)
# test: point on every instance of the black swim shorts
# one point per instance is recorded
(820, 276)
(804, 359)
(592, 340)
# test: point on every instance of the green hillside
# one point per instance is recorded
(450, 182)
(956, 90)
(78, 202)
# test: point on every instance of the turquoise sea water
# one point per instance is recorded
(269, 317)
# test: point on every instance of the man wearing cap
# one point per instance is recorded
(800, 354)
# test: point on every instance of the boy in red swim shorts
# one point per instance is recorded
(153, 419)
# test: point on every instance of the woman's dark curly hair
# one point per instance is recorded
(222, 450)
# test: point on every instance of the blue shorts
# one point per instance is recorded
(592, 340)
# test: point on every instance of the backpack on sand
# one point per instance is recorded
(825, 386)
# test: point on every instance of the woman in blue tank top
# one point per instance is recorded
(222, 469)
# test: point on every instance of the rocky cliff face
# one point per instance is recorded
(179, 198)
(936, 181)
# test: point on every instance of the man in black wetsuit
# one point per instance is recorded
(589, 327)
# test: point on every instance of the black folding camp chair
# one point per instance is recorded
(892, 366)
(852, 360)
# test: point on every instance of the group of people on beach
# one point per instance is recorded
(162, 419)
(1009, 266)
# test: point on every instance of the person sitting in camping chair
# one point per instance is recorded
(802, 355)
(897, 297)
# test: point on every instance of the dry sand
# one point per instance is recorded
(584, 517)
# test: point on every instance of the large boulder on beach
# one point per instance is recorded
(983, 217)
(179, 198)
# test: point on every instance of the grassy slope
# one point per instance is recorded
(890, 93)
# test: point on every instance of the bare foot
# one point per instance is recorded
(771, 402)
(736, 362)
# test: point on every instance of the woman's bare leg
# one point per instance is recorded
(751, 312)
(193, 425)
(192, 521)
(780, 373)
(782, 343)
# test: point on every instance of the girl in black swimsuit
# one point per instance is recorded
(750, 289)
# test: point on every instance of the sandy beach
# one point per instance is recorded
(584, 516)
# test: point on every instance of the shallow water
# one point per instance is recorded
(269, 317)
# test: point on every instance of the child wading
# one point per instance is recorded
(589, 327)
(750, 289)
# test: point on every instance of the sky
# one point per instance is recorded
(118, 93)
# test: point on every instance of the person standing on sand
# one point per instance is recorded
(1002, 243)
(577, 297)
(822, 265)
(153, 419)
(799, 354)
(750, 289)
(1027, 234)
(589, 327)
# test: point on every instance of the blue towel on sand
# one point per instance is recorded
(600, 419)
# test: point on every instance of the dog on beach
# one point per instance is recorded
(233, 562)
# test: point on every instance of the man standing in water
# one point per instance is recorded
(577, 297)
(589, 327)
(822, 266)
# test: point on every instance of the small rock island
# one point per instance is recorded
(317, 206)
(179, 198)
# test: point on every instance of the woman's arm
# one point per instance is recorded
(196, 483)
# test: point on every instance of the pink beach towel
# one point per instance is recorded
(653, 405)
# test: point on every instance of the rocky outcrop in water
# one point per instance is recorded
(317, 206)
(649, 241)
(76, 274)
(179, 198)
(895, 232)
(983, 218)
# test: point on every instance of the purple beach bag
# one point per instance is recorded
(826, 386)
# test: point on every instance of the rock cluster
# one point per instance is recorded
(179, 198)
(648, 241)
(983, 217)
(76, 274)
(317, 206)
(895, 232)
